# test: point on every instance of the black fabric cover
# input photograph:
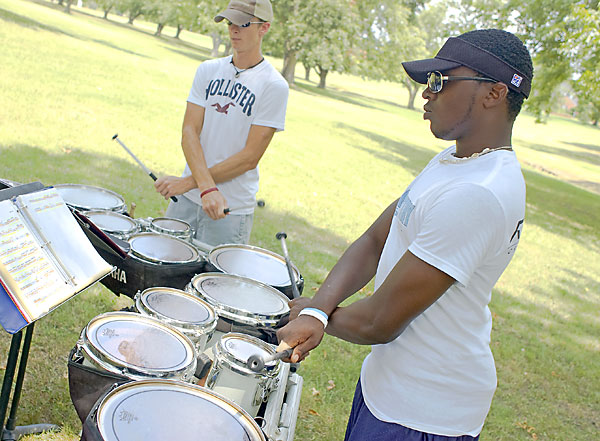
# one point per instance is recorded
(87, 384)
(132, 275)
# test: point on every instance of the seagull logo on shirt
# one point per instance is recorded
(223, 109)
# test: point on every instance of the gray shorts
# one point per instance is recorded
(234, 228)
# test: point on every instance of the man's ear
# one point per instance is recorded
(264, 28)
(496, 95)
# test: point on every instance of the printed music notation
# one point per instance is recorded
(45, 258)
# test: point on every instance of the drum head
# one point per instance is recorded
(112, 222)
(158, 410)
(88, 197)
(177, 305)
(161, 248)
(252, 262)
(170, 224)
(240, 295)
(138, 342)
(240, 347)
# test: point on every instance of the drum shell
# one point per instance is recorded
(186, 233)
(237, 315)
(230, 376)
(198, 332)
(284, 287)
(111, 201)
(159, 425)
(122, 234)
(98, 358)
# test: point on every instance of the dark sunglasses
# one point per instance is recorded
(435, 80)
(246, 24)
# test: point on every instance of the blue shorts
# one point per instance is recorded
(364, 426)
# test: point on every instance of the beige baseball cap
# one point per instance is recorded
(240, 12)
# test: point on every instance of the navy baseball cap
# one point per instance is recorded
(458, 52)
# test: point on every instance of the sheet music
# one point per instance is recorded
(45, 257)
(68, 243)
(27, 270)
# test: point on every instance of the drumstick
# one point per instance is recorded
(148, 172)
(295, 293)
(257, 363)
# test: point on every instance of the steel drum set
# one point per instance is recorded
(175, 364)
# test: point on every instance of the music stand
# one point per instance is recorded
(11, 432)
(47, 211)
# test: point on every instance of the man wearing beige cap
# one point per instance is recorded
(235, 106)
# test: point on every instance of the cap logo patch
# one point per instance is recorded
(516, 80)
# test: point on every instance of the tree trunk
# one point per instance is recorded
(413, 89)
(322, 77)
(179, 29)
(133, 16)
(106, 11)
(68, 6)
(159, 28)
(307, 72)
(227, 48)
(216, 42)
(289, 66)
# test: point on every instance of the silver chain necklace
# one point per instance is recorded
(451, 159)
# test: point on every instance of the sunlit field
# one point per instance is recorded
(68, 83)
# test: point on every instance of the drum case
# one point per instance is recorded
(133, 275)
(87, 384)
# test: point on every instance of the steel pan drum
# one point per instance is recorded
(162, 249)
(137, 347)
(160, 410)
(255, 263)
(241, 300)
(90, 198)
(114, 223)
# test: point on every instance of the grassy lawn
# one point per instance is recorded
(70, 82)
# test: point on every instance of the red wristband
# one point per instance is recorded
(208, 190)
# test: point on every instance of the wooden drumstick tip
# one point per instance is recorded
(132, 207)
(282, 347)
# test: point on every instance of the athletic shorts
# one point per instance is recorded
(364, 426)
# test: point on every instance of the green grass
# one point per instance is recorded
(69, 82)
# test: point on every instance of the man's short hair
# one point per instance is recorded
(510, 49)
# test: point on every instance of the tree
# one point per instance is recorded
(187, 15)
(394, 32)
(284, 39)
(106, 6)
(330, 38)
(585, 60)
(133, 8)
(162, 12)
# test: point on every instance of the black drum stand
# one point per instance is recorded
(11, 432)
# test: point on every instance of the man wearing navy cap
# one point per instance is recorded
(435, 253)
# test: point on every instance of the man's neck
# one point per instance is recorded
(245, 60)
(475, 144)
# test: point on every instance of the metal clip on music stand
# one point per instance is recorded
(10, 431)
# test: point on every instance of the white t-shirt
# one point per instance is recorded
(257, 97)
(465, 219)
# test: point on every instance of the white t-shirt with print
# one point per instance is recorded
(465, 219)
(231, 105)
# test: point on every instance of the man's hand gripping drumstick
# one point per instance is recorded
(303, 333)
